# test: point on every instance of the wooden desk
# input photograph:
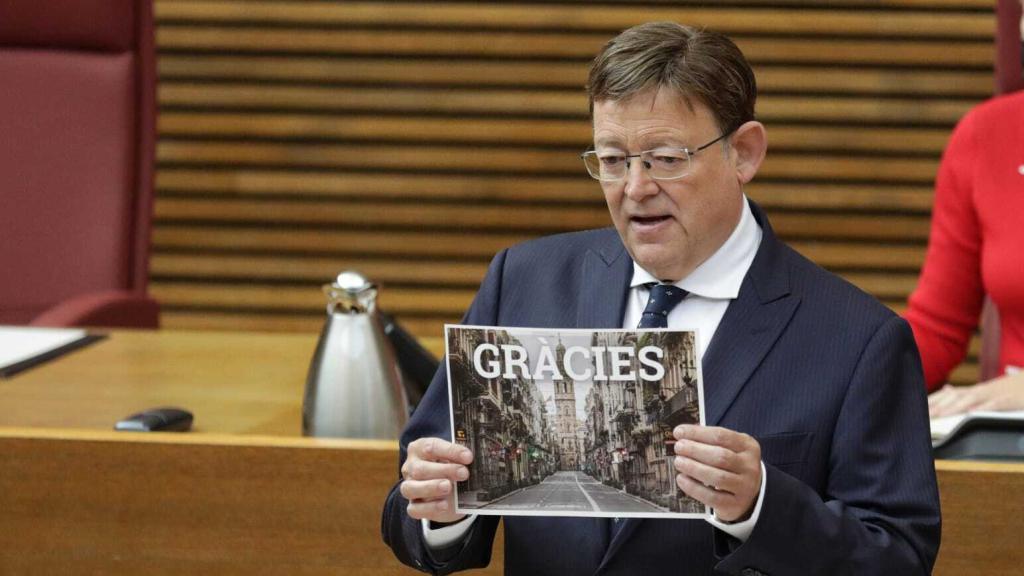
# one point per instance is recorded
(982, 518)
(233, 382)
(98, 502)
(246, 493)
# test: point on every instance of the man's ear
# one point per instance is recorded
(749, 144)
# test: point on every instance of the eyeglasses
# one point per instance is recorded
(660, 163)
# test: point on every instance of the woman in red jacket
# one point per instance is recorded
(976, 247)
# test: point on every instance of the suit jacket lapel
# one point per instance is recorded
(607, 271)
(751, 325)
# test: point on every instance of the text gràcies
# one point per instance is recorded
(509, 361)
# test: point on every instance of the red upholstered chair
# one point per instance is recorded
(77, 133)
(1009, 67)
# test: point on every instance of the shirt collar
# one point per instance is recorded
(721, 275)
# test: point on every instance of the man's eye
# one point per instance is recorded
(667, 160)
(612, 160)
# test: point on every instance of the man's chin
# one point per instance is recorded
(659, 260)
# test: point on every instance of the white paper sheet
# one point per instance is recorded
(941, 427)
(18, 344)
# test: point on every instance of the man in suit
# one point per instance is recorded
(816, 454)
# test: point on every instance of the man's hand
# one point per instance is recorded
(432, 466)
(720, 468)
(999, 394)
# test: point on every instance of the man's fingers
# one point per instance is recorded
(716, 478)
(716, 436)
(425, 489)
(718, 448)
(430, 500)
(415, 469)
(431, 510)
(703, 494)
(438, 450)
(719, 467)
(715, 456)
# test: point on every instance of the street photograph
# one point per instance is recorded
(569, 422)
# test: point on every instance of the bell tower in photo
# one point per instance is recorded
(565, 413)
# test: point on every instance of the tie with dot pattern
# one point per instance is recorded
(662, 300)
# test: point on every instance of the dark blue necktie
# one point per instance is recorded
(663, 298)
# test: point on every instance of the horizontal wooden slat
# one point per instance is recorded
(376, 128)
(389, 100)
(351, 242)
(473, 44)
(407, 215)
(604, 18)
(419, 43)
(568, 75)
(428, 331)
(177, 319)
(883, 284)
(838, 168)
(944, 112)
(520, 131)
(450, 302)
(870, 81)
(832, 196)
(850, 255)
(256, 181)
(410, 216)
(571, 189)
(301, 240)
(978, 5)
(316, 269)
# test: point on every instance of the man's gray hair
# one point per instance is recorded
(694, 63)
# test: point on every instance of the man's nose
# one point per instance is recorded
(639, 183)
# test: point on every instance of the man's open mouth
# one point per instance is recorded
(649, 220)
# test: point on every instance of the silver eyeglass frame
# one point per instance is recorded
(647, 167)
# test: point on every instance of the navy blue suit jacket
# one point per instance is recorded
(821, 374)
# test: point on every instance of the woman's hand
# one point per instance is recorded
(1001, 394)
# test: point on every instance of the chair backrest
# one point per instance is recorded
(1009, 73)
(77, 133)
(988, 358)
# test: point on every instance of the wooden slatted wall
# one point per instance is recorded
(412, 140)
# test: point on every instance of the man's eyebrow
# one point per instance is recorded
(662, 142)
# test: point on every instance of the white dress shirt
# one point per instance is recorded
(712, 286)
